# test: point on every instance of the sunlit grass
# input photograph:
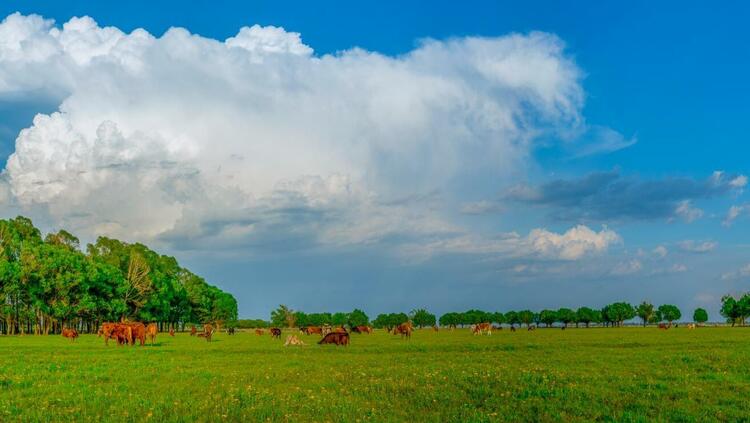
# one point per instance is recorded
(626, 374)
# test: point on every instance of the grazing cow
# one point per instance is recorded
(171, 331)
(512, 328)
(293, 340)
(151, 331)
(230, 331)
(193, 331)
(259, 332)
(71, 334)
(138, 330)
(106, 331)
(482, 328)
(404, 329)
(275, 333)
(362, 329)
(123, 334)
(335, 338)
(208, 332)
(663, 326)
(309, 330)
(531, 327)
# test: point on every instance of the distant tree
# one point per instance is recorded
(565, 316)
(512, 318)
(251, 323)
(585, 315)
(670, 312)
(472, 317)
(339, 319)
(700, 315)
(357, 318)
(645, 311)
(548, 317)
(381, 321)
(537, 318)
(422, 318)
(319, 319)
(301, 319)
(597, 317)
(498, 317)
(618, 313)
(526, 317)
(730, 309)
(450, 320)
(283, 317)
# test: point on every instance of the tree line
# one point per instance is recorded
(611, 315)
(47, 283)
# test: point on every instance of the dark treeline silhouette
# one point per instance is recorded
(49, 283)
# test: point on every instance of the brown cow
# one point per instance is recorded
(123, 334)
(138, 330)
(339, 329)
(362, 329)
(482, 328)
(337, 338)
(312, 329)
(151, 331)
(72, 334)
(275, 333)
(259, 332)
(106, 330)
(193, 331)
(208, 332)
(171, 331)
(404, 329)
(663, 326)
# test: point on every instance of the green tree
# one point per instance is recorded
(548, 317)
(670, 313)
(700, 316)
(526, 317)
(357, 318)
(283, 317)
(512, 318)
(565, 316)
(645, 311)
(422, 318)
(586, 315)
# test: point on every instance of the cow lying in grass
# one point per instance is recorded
(335, 338)
(293, 340)
(361, 329)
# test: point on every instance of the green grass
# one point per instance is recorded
(627, 374)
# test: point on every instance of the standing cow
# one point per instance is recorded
(71, 334)
(275, 333)
(151, 331)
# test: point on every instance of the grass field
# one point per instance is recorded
(627, 374)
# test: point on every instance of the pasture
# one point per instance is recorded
(621, 374)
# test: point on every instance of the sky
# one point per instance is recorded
(390, 156)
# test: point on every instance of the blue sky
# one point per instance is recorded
(588, 174)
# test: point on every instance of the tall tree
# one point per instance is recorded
(700, 316)
(645, 311)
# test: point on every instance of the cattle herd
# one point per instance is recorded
(130, 333)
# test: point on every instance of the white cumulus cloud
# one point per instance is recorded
(181, 137)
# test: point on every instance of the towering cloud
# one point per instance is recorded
(184, 138)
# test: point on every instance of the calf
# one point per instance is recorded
(336, 338)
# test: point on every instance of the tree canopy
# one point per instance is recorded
(47, 283)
